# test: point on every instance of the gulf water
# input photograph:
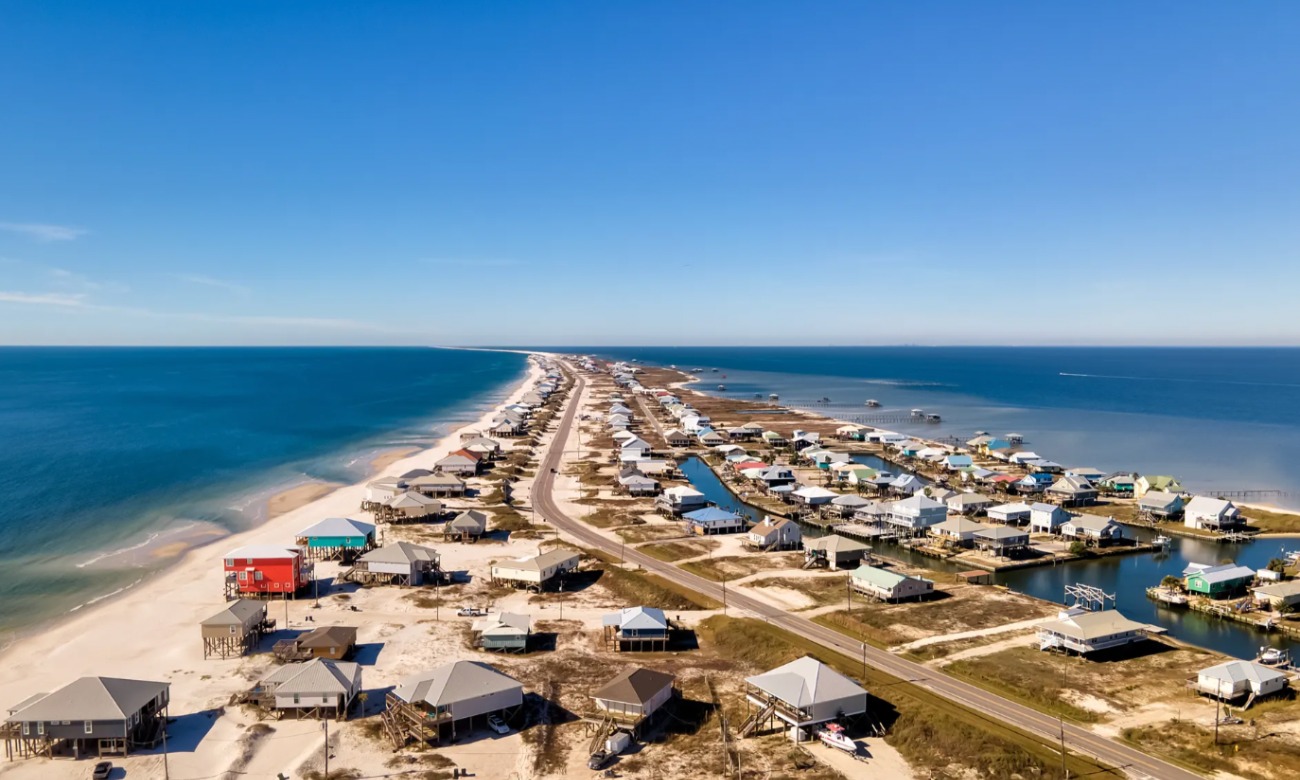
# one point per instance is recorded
(111, 456)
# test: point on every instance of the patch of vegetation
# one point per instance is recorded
(1002, 674)
(335, 774)
(932, 733)
(644, 589)
(1187, 744)
(676, 551)
(647, 532)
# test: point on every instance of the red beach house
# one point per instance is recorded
(266, 569)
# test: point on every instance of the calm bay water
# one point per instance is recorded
(1217, 418)
(110, 454)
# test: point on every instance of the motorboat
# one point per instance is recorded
(832, 735)
(873, 403)
(722, 387)
(1162, 541)
(1272, 656)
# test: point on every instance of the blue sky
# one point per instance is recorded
(649, 173)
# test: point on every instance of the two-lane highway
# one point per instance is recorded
(1128, 759)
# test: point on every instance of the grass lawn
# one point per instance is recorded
(824, 589)
(932, 733)
(967, 608)
(1241, 750)
(737, 566)
(676, 551)
(1272, 522)
(651, 532)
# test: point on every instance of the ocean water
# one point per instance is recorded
(1221, 419)
(113, 456)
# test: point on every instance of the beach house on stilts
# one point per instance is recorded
(92, 716)
(266, 571)
(236, 629)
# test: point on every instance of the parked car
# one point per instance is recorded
(102, 770)
(471, 612)
(598, 759)
(496, 724)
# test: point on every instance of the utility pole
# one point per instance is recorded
(167, 772)
(326, 721)
(1064, 769)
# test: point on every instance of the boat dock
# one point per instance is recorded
(863, 533)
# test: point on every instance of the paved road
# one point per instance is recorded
(1080, 740)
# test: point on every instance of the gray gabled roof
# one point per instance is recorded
(1239, 671)
(805, 682)
(637, 618)
(834, 543)
(469, 520)
(338, 526)
(454, 682)
(317, 676)
(401, 552)
(503, 623)
(91, 698)
(237, 613)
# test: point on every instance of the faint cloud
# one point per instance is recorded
(44, 299)
(39, 231)
(469, 262)
(220, 284)
(74, 279)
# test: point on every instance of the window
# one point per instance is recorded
(297, 698)
(88, 727)
(230, 562)
(234, 630)
(249, 560)
(40, 727)
(27, 729)
(257, 575)
(243, 576)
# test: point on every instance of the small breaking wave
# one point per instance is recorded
(108, 595)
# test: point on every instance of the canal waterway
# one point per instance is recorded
(1125, 576)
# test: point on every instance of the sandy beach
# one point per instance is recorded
(151, 632)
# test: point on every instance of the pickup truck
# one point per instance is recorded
(471, 612)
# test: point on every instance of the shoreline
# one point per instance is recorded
(688, 379)
(300, 504)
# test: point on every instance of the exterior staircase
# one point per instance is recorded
(751, 723)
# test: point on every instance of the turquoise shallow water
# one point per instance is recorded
(109, 450)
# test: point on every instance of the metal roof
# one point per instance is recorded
(1092, 625)
(1242, 671)
(317, 676)
(401, 552)
(91, 698)
(805, 682)
(237, 613)
(338, 526)
(454, 682)
(637, 618)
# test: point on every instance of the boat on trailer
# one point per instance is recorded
(832, 735)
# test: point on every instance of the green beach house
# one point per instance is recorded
(1218, 582)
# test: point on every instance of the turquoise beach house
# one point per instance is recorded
(336, 537)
